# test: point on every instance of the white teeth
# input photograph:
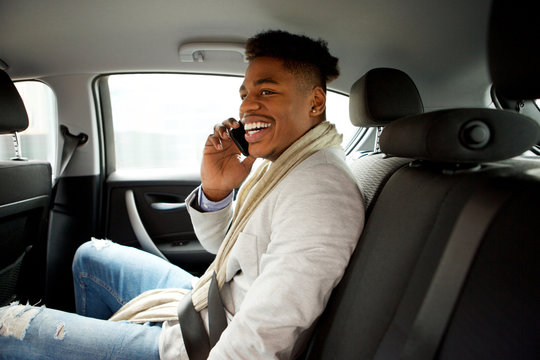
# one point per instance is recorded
(256, 125)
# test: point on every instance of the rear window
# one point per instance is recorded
(161, 121)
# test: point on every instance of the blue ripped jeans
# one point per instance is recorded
(106, 276)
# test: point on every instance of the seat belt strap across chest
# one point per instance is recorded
(197, 342)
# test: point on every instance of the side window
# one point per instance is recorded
(161, 121)
(39, 140)
(337, 112)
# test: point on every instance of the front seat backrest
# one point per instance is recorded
(25, 188)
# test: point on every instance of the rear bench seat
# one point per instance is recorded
(379, 97)
(393, 296)
(373, 308)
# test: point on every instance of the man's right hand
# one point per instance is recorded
(223, 167)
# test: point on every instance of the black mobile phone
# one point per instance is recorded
(238, 136)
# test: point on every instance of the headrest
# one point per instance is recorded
(381, 96)
(13, 116)
(512, 47)
(460, 136)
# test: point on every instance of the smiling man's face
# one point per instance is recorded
(276, 108)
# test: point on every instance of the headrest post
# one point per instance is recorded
(17, 147)
(377, 147)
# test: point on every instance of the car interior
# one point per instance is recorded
(103, 105)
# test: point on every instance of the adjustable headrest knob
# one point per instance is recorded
(475, 134)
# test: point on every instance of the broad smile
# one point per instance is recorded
(255, 127)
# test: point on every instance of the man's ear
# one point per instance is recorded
(318, 101)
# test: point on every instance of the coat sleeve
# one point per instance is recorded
(210, 227)
(316, 224)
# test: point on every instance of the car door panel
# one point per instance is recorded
(162, 212)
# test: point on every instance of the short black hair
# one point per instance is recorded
(301, 54)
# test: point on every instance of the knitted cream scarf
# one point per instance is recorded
(161, 304)
(256, 188)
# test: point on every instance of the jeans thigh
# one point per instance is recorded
(108, 275)
(40, 333)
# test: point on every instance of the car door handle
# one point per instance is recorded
(165, 206)
(141, 234)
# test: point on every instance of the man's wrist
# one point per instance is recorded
(205, 204)
(215, 195)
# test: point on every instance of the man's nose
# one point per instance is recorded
(248, 104)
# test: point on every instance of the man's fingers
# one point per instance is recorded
(214, 141)
(231, 123)
(221, 130)
(221, 133)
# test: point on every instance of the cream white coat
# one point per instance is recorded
(284, 265)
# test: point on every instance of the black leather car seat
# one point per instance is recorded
(464, 159)
(372, 311)
(25, 190)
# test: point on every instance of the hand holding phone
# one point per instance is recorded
(238, 136)
(222, 170)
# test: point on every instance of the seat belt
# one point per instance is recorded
(443, 292)
(216, 312)
(71, 143)
(193, 332)
(196, 341)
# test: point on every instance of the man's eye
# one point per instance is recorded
(266, 92)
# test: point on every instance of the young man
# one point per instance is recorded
(281, 247)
